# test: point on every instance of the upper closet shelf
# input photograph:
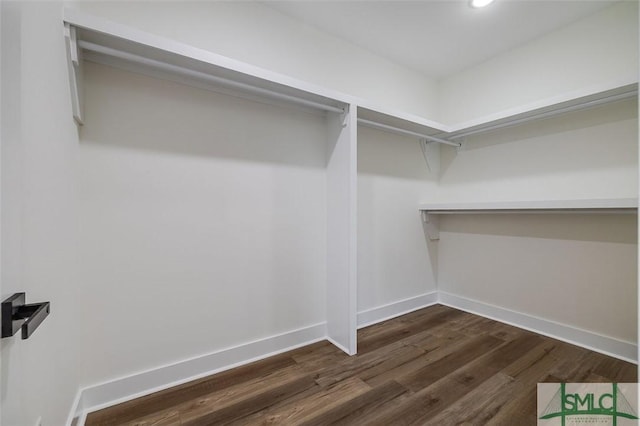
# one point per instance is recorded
(432, 131)
(561, 104)
(404, 124)
(98, 40)
(612, 205)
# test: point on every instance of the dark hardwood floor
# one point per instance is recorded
(436, 366)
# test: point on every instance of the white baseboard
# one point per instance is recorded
(395, 309)
(113, 392)
(596, 342)
(339, 346)
(78, 414)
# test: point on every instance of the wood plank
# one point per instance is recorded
(431, 372)
(583, 367)
(434, 398)
(375, 417)
(164, 418)
(527, 371)
(512, 351)
(541, 357)
(407, 328)
(368, 363)
(210, 411)
(479, 406)
(303, 410)
(401, 321)
(318, 355)
(352, 411)
(176, 395)
(288, 380)
(435, 349)
(431, 400)
(521, 410)
(616, 370)
(267, 416)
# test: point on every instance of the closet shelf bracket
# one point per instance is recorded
(431, 154)
(74, 68)
(431, 225)
(462, 142)
(344, 116)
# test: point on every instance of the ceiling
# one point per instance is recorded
(438, 38)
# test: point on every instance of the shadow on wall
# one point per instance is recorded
(622, 228)
(596, 138)
(129, 110)
(386, 154)
(393, 179)
(432, 249)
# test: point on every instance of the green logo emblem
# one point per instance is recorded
(611, 403)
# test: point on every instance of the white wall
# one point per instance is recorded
(262, 36)
(199, 235)
(39, 143)
(585, 154)
(395, 260)
(594, 52)
(577, 270)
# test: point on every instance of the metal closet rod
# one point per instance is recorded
(548, 114)
(405, 132)
(204, 76)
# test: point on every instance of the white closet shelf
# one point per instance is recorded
(565, 103)
(432, 211)
(99, 40)
(401, 123)
(411, 125)
(609, 205)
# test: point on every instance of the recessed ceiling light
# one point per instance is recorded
(480, 3)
